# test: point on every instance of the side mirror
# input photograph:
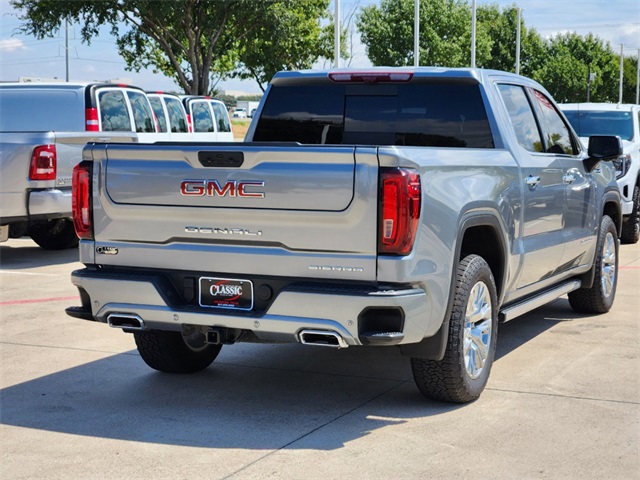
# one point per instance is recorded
(603, 148)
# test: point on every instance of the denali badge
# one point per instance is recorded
(223, 231)
(212, 188)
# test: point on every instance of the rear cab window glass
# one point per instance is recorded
(142, 114)
(556, 133)
(114, 115)
(222, 117)
(177, 117)
(421, 114)
(156, 104)
(522, 118)
(202, 121)
(41, 110)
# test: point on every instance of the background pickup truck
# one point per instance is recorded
(392, 207)
(43, 129)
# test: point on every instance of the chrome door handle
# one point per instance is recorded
(568, 179)
(532, 181)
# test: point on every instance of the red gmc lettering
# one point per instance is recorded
(212, 188)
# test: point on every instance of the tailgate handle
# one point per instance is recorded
(221, 159)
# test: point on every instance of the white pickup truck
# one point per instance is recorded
(391, 208)
(622, 120)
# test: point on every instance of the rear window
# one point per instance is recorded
(202, 121)
(142, 114)
(114, 116)
(222, 117)
(156, 104)
(177, 117)
(440, 115)
(41, 110)
(589, 122)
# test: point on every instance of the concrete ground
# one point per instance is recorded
(77, 402)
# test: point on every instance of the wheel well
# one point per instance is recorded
(613, 210)
(483, 240)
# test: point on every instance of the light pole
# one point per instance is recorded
(473, 35)
(416, 34)
(518, 42)
(336, 32)
(621, 71)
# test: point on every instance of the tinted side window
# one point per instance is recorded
(202, 121)
(522, 118)
(177, 117)
(142, 114)
(156, 104)
(556, 135)
(222, 117)
(446, 115)
(114, 115)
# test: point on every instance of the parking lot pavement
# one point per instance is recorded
(77, 402)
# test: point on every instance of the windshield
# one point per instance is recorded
(589, 122)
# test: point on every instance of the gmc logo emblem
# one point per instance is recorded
(212, 188)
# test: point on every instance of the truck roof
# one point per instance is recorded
(416, 72)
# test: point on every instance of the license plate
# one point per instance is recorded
(231, 293)
(4, 233)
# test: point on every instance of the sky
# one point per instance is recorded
(614, 21)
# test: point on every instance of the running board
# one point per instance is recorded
(532, 303)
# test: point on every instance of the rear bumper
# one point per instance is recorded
(38, 205)
(348, 314)
(50, 202)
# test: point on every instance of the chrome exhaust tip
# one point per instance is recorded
(322, 338)
(126, 321)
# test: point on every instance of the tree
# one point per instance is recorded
(192, 41)
(565, 69)
(290, 38)
(630, 77)
(501, 28)
(445, 33)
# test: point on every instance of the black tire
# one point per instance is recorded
(631, 227)
(599, 298)
(169, 351)
(454, 378)
(54, 234)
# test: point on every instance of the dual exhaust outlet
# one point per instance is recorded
(320, 338)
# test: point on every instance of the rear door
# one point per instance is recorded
(542, 234)
(579, 220)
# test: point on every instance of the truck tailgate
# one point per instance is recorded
(285, 210)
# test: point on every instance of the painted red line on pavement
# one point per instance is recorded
(628, 267)
(38, 300)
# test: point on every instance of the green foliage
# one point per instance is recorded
(445, 33)
(195, 42)
(561, 64)
(566, 67)
(291, 37)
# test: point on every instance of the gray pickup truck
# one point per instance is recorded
(43, 129)
(407, 207)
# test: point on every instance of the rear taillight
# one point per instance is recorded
(189, 123)
(91, 120)
(81, 200)
(43, 163)
(400, 200)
